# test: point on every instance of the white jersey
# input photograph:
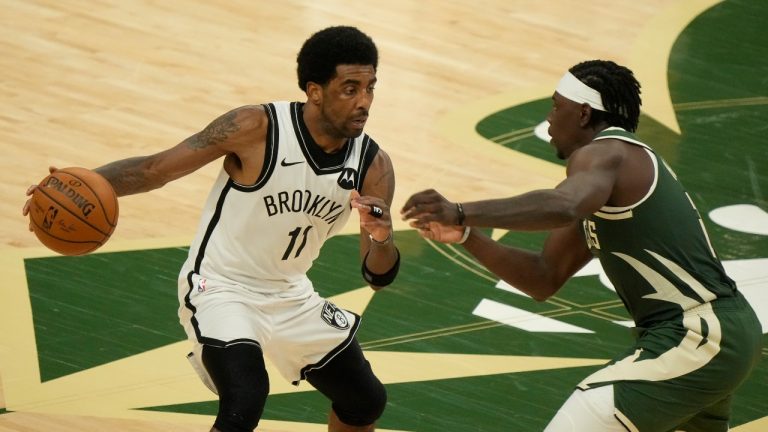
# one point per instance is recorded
(265, 236)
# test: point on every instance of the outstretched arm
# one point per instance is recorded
(241, 132)
(540, 275)
(592, 173)
(377, 244)
(230, 133)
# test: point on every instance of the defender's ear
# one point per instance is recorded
(585, 114)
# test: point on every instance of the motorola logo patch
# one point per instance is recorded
(347, 178)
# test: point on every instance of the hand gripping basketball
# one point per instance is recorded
(73, 211)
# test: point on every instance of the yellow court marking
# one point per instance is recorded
(759, 425)
(650, 57)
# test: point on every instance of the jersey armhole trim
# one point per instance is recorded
(270, 153)
(608, 212)
(369, 151)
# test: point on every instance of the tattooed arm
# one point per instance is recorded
(234, 133)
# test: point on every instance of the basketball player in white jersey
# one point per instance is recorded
(292, 174)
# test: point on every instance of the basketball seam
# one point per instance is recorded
(97, 243)
(103, 208)
(63, 207)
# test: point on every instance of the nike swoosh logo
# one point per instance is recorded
(284, 163)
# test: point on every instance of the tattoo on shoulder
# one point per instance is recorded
(216, 132)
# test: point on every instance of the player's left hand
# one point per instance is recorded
(441, 233)
(374, 215)
(429, 206)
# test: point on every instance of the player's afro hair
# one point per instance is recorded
(330, 47)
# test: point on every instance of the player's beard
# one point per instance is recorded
(339, 130)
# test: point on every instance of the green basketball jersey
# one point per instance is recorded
(656, 253)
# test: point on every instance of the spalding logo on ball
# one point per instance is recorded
(74, 211)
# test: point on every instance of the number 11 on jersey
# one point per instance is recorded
(294, 236)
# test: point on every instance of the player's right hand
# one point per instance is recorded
(30, 190)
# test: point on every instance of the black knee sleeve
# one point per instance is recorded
(358, 397)
(364, 408)
(241, 379)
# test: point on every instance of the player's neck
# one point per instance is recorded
(321, 131)
(328, 144)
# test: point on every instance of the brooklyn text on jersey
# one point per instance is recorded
(303, 201)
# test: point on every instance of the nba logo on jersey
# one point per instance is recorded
(347, 178)
(334, 316)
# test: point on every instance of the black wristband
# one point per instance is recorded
(381, 280)
(460, 209)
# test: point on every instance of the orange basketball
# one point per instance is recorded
(73, 211)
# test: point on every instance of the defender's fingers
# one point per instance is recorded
(419, 225)
(422, 212)
(415, 199)
(413, 211)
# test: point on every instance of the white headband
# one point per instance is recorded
(573, 89)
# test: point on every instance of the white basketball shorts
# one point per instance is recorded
(297, 333)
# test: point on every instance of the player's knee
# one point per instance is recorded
(242, 383)
(363, 408)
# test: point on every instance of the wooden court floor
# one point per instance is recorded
(92, 343)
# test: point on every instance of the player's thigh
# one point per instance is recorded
(218, 313)
(587, 410)
(307, 334)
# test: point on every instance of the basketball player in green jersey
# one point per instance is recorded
(698, 339)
